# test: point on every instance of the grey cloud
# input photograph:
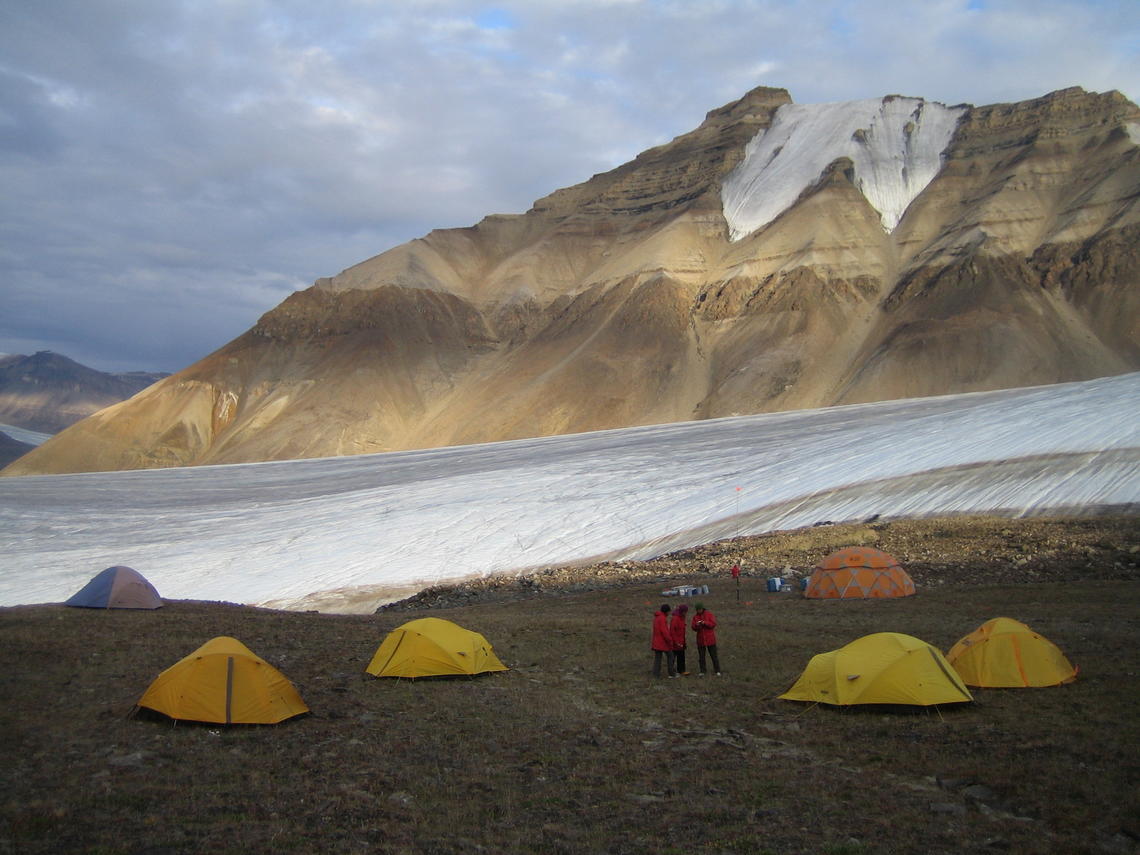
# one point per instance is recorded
(172, 170)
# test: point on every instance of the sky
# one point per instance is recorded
(172, 169)
(347, 534)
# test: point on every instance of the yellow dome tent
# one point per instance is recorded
(1005, 653)
(225, 683)
(858, 572)
(433, 647)
(883, 668)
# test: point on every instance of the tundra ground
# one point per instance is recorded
(577, 749)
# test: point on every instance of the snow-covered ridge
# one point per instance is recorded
(895, 143)
(31, 437)
(347, 533)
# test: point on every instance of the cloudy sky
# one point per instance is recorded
(171, 169)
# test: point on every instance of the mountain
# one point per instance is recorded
(47, 392)
(778, 257)
(11, 448)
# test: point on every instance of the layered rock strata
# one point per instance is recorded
(629, 299)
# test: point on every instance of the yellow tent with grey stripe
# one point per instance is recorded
(433, 647)
(882, 668)
(223, 682)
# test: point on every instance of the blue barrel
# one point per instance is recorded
(775, 584)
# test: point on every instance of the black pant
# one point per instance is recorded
(679, 655)
(712, 652)
(669, 660)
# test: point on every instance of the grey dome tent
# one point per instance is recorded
(117, 587)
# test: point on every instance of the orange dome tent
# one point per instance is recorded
(859, 571)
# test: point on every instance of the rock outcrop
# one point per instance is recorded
(629, 300)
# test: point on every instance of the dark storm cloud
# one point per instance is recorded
(172, 170)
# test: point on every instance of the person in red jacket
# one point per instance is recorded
(704, 625)
(662, 644)
(677, 629)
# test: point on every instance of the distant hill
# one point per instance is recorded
(48, 392)
(11, 448)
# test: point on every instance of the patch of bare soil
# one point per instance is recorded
(577, 748)
(943, 551)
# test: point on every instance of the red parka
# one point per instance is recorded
(677, 631)
(661, 638)
(704, 625)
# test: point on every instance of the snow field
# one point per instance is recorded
(306, 534)
(895, 144)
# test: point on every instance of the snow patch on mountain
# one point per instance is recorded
(1133, 129)
(895, 144)
(31, 437)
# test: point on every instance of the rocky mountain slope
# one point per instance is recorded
(48, 392)
(778, 257)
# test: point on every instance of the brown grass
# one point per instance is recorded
(577, 749)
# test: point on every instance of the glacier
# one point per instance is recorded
(348, 534)
(895, 143)
(31, 437)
